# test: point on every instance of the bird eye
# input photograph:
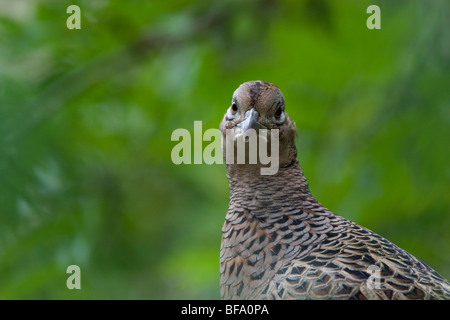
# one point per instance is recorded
(232, 111)
(279, 116)
(278, 113)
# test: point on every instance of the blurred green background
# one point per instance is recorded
(86, 118)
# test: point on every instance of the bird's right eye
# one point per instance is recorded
(232, 111)
(234, 107)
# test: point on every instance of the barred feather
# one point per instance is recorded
(280, 243)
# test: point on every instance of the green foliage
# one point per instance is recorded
(86, 118)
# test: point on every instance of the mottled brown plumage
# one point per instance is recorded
(280, 243)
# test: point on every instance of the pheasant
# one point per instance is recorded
(279, 242)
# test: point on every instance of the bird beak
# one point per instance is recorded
(251, 121)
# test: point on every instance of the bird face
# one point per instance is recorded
(260, 105)
(256, 105)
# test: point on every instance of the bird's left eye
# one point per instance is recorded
(279, 116)
(278, 113)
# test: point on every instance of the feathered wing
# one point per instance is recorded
(313, 254)
(358, 264)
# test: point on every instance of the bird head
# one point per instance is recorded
(260, 106)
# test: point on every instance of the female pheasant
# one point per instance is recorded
(280, 243)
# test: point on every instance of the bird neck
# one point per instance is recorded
(260, 194)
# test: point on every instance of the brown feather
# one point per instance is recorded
(280, 243)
